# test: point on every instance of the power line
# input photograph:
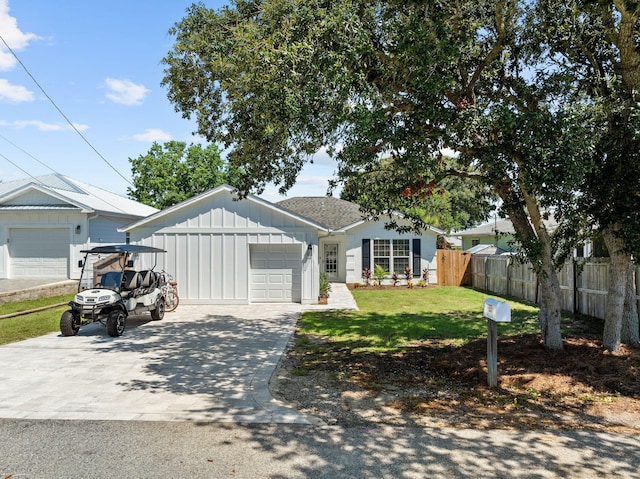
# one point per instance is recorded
(21, 169)
(61, 112)
(27, 153)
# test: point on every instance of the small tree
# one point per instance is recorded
(380, 273)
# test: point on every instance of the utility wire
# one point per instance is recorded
(37, 180)
(21, 169)
(61, 112)
(27, 153)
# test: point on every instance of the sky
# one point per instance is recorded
(98, 66)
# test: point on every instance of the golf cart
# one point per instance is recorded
(110, 290)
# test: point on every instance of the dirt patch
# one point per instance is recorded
(433, 383)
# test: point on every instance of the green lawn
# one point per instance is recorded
(393, 319)
(33, 324)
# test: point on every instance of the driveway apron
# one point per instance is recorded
(200, 363)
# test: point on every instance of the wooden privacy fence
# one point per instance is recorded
(452, 267)
(584, 283)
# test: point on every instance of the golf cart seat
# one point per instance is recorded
(149, 280)
(111, 280)
(131, 281)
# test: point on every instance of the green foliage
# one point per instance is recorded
(379, 273)
(325, 285)
(173, 172)
(451, 204)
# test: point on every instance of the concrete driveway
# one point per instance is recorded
(200, 363)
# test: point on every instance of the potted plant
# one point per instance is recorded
(325, 287)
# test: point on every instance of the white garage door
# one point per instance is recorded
(39, 252)
(276, 273)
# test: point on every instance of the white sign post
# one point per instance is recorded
(496, 312)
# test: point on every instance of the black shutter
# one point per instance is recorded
(417, 271)
(366, 253)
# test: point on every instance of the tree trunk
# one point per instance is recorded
(534, 231)
(612, 334)
(630, 333)
(550, 307)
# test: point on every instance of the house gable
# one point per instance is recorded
(47, 220)
(224, 250)
(221, 209)
(34, 196)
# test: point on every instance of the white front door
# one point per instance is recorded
(331, 261)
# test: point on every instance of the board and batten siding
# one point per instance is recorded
(208, 247)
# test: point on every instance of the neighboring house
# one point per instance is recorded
(485, 249)
(498, 233)
(45, 221)
(224, 251)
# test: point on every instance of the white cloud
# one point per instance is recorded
(42, 126)
(14, 37)
(125, 92)
(14, 93)
(153, 134)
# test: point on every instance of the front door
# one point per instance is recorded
(331, 261)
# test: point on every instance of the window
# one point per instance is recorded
(400, 255)
(382, 253)
(392, 255)
(475, 242)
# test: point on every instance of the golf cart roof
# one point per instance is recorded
(123, 248)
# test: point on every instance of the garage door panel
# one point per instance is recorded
(39, 252)
(275, 273)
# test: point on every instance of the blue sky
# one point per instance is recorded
(100, 63)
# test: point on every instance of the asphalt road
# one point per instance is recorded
(133, 449)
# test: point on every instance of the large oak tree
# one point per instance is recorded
(276, 80)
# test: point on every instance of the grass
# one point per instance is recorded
(393, 319)
(31, 325)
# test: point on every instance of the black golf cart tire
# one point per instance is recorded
(158, 313)
(69, 323)
(116, 323)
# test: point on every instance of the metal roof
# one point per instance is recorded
(78, 194)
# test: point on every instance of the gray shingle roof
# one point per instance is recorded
(328, 211)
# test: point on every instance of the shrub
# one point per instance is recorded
(379, 273)
(366, 274)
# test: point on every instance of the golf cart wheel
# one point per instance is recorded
(158, 313)
(115, 323)
(69, 323)
(171, 301)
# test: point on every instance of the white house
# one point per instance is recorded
(45, 221)
(350, 243)
(224, 250)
